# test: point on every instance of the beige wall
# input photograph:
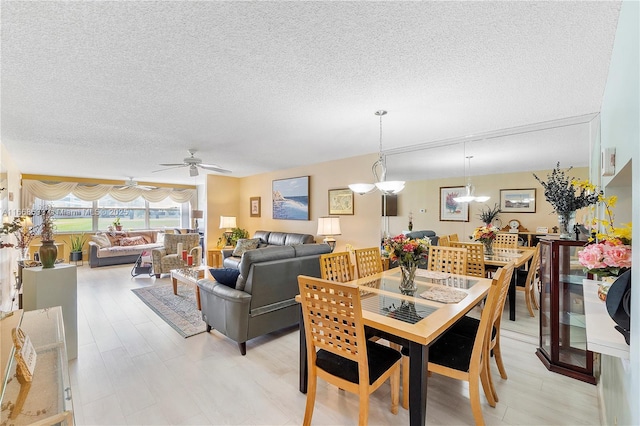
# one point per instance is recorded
(230, 196)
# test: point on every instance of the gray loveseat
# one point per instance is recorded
(263, 298)
(424, 234)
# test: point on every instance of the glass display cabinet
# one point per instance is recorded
(563, 337)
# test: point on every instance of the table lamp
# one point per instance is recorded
(227, 223)
(195, 215)
(328, 227)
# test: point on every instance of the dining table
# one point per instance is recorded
(500, 257)
(413, 320)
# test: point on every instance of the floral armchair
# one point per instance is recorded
(167, 258)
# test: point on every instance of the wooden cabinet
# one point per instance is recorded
(563, 338)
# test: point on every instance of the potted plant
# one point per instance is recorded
(488, 214)
(77, 243)
(116, 224)
(230, 239)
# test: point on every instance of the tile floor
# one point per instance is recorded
(132, 368)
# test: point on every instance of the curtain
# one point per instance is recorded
(32, 189)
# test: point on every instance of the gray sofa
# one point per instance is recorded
(423, 234)
(267, 239)
(263, 298)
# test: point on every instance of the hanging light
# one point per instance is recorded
(470, 189)
(379, 170)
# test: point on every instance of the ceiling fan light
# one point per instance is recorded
(193, 171)
(390, 186)
(362, 188)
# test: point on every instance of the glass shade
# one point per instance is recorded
(390, 186)
(362, 188)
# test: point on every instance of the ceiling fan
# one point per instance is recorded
(193, 163)
(131, 183)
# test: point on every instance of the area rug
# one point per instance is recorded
(178, 310)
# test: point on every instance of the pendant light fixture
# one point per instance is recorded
(469, 188)
(379, 170)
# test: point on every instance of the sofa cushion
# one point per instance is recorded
(101, 240)
(311, 249)
(133, 241)
(295, 239)
(263, 236)
(226, 276)
(245, 244)
(261, 255)
(277, 238)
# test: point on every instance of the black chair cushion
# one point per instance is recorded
(380, 358)
(452, 350)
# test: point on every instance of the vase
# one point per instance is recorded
(567, 221)
(407, 283)
(488, 247)
(48, 254)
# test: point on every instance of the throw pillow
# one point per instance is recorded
(132, 241)
(101, 240)
(160, 238)
(245, 244)
(226, 276)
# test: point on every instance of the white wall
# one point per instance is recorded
(620, 129)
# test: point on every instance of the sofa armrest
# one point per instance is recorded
(93, 254)
(224, 292)
(227, 252)
(156, 259)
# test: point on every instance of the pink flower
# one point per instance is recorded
(618, 256)
(592, 257)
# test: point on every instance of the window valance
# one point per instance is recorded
(32, 189)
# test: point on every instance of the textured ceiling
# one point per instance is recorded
(112, 89)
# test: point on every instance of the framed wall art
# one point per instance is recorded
(451, 210)
(518, 200)
(254, 206)
(291, 198)
(340, 201)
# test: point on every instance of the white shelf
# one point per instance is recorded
(601, 334)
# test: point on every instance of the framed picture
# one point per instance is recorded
(518, 200)
(451, 210)
(340, 201)
(254, 206)
(291, 198)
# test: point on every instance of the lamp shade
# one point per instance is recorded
(197, 214)
(227, 222)
(329, 226)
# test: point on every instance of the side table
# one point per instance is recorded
(214, 257)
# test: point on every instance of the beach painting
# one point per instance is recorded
(291, 198)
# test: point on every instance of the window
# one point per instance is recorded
(74, 215)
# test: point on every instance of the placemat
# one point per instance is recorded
(434, 275)
(443, 294)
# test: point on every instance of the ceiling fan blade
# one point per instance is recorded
(173, 164)
(169, 168)
(209, 165)
(213, 168)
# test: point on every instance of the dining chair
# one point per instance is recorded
(336, 267)
(530, 280)
(337, 350)
(443, 241)
(475, 257)
(368, 261)
(506, 240)
(462, 352)
(453, 237)
(447, 259)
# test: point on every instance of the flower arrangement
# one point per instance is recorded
(567, 194)
(489, 214)
(609, 252)
(405, 250)
(485, 234)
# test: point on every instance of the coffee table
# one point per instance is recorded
(189, 275)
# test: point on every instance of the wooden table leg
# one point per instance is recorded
(198, 297)
(174, 281)
(418, 359)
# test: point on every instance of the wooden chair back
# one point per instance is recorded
(368, 261)
(453, 237)
(443, 241)
(475, 257)
(532, 281)
(334, 329)
(336, 267)
(506, 240)
(447, 259)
